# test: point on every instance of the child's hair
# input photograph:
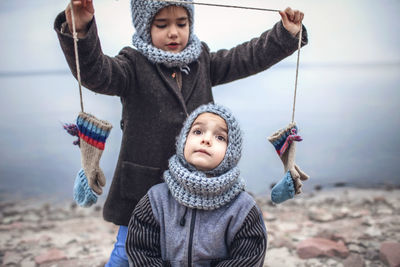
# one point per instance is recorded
(234, 148)
(143, 13)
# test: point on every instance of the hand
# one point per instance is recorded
(292, 20)
(83, 13)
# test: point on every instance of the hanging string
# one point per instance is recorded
(297, 70)
(218, 5)
(78, 70)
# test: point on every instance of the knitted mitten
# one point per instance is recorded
(283, 141)
(93, 134)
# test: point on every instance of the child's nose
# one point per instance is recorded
(173, 32)
(206, 140)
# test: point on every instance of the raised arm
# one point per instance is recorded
(259, 53)
(99, 73)
(250, 243)
(143, 240)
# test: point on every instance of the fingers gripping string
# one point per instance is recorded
(78, 70)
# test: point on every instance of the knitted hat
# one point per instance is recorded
(143, 12)
(234, 149)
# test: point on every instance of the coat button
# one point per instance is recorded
(122, 124)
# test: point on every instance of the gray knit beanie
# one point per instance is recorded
(143, 12)
(234, 149)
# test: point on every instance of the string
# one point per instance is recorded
(297, 71)
(218, 5)
(78, 70)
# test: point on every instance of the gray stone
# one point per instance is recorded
(320, 215)
(354, 260)
(278, 257)
(28, 262)
(11, 258)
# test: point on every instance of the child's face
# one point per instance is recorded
(206, 142)
(170, 29)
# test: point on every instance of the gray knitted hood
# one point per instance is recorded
(212, 189)
(143, 12)
(235, 140)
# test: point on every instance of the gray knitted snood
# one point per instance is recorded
(192, 188)
(143, 12)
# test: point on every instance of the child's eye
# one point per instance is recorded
(196, 132)
(182, 25)
(221, 138)
(161, 26)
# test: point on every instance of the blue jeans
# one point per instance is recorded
(118, 256)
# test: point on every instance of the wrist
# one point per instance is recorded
(81, 32)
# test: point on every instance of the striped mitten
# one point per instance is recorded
(284, 142)
(92, 134)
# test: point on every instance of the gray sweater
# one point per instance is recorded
(163, 232)
(153, 105)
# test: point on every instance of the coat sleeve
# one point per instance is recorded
(99, 73)
(249, 244)
(253, 56)
(143, 239)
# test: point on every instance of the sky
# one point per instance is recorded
(347, 103)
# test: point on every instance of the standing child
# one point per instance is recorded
(167, 76)
(201, 215)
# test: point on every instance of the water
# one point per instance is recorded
(348, 117)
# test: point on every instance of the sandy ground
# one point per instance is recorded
(37, 232)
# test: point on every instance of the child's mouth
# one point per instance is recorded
(203, 151)
(173, 46)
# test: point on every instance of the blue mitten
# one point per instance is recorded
(283, 190)
(83, 194)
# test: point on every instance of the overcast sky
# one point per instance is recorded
(340, 31)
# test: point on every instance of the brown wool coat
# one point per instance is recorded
(153, 106)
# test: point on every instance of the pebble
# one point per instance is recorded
(390, 253)
(315, 247)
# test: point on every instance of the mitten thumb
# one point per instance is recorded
(97, 180)
(303, 175)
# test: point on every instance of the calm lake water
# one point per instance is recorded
(348, 116)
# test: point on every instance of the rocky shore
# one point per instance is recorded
(339, 227)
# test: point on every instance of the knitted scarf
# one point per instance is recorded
(195, 190)
(188, 55)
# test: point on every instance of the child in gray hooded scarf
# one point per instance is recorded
(200, 215)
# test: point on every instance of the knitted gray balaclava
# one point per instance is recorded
(143, 12)
(212, 189)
